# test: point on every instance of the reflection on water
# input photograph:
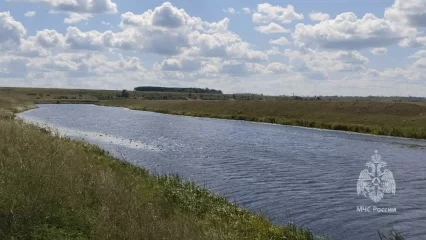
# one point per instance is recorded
(287, 173)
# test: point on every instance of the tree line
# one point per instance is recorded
(173, 89)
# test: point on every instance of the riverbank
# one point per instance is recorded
(57, 188)
(386, 119)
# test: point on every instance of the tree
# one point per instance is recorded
(125, 94)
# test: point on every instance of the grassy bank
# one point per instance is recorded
(56, 188)
(400, 117)
(379, 118)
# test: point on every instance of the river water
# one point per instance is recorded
(302, 175)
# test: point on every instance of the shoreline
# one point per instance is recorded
(261, 122)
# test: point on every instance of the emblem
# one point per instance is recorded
(374, 182)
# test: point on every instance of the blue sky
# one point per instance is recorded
(279, 47)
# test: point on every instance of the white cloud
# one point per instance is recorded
(267, 13)
(271, 28)
(398, 76)
(43, 44)
(420, 59)
(11, 31)
(277, 68)
(85, 65)
(237, 68)
(413, 42)
(421, 63)
(105, 23)
(230, 11)
(77, 10)
(349, 33)
(408, 12)
(309, 60)
(77, 17)
(318, 16)
(30, 14)
(280, 41)
(80, 6)
(165, 30)
(185, 65)
(246, 10)
(186, 34)
(379, 51)
(273, 51)
(418, 55)
(224, 45)
(13, 67)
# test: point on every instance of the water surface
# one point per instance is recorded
(287, 173)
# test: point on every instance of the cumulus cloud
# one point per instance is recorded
(418, 54)
(421, 63)
(184, 65)
(102, 41)
(420, 59)
(267, 13)
(348, 32)
(230, 11)
(30, 14)
(246, 10)
(309, 60)
(408, 12)
(13, 67)
(164, 30)
(80, 6)
(224, 45)
(81, 10)
(186, 34)
(235, 68)
(318, 16)
(277, 68)
(398, 75)
(280, 41)
(11, 31)
(379, 51)
(77, 17)
(413, 41)
(273, 51)
(168, 16)
(85, 65)
(271, 28)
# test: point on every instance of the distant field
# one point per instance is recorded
(382, 116)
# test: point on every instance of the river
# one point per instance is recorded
(287, 173)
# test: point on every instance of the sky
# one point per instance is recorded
(301, 47)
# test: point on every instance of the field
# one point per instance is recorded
(402, 117)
